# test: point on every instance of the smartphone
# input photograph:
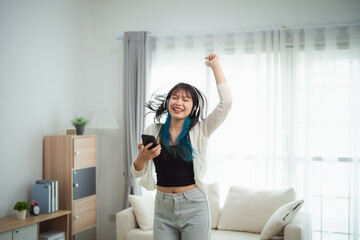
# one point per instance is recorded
(148, 139)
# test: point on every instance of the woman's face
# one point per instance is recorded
(180, 104)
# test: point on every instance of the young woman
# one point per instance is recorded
(181, 206)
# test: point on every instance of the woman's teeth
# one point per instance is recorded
(177, 109)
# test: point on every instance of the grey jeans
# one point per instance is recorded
(184, 216)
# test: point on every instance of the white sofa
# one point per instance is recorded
(246, 215)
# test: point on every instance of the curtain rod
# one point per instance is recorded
(275, 27)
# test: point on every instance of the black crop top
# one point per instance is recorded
(173, 171)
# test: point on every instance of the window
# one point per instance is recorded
(295, 120)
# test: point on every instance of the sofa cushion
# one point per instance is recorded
(137, 234)
(144, 210)
(248, 209)
(214, 201)
(231, 235)
(283, 216)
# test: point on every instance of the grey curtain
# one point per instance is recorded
(135, 74)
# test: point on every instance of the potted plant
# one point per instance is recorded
(21, 208)
(79, 123)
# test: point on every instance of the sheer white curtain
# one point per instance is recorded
(325, 127)
(295, 120)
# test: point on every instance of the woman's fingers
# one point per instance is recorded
(139, 145)
(157, 148)
(210, 59)
(210, 56)
(147, 154)
(151, 153)
(156, 151)
(148, 145)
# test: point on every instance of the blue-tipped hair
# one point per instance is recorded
(184, 149)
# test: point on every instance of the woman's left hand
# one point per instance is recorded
(212, 60)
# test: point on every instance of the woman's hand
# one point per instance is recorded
(212, 60)
(145, 154)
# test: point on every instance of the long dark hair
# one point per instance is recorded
(159, 106)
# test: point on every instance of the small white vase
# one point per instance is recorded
(21, 214)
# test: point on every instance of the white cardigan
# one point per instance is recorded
(199, 135)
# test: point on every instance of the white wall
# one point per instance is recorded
(161, 16)
(43, 62)
(50, 58)
(59, 59)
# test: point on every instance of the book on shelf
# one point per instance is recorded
(54, 201)
(42, 195)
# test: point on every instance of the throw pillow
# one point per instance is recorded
(248, 210)
(214, 201)
(283, 216)
(143, 207)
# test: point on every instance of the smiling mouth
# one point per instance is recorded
(177, 110)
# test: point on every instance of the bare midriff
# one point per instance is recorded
(176, 189)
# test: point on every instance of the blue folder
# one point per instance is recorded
(42, 195)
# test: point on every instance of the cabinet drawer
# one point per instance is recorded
(6, 235)
(26, 233)
(84, 214)
(84, 183)
(89, 234)
(84, 152)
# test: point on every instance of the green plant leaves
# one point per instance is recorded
(21, 205)
(80, 121)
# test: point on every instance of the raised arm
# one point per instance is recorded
(218, 115)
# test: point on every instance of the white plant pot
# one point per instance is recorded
(21, 214)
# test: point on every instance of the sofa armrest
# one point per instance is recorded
(125, 222)
(299, 228)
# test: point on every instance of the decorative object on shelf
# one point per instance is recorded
(52, 235)
(21, 208)
(79, 123)
(67, 131)
(34, 209)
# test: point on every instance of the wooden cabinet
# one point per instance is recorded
(72, 161)
(12, 228)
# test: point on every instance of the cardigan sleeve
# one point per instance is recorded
(142, 172)
(137, 174)
(218, 115)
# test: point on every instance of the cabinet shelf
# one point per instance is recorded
(53, 221)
